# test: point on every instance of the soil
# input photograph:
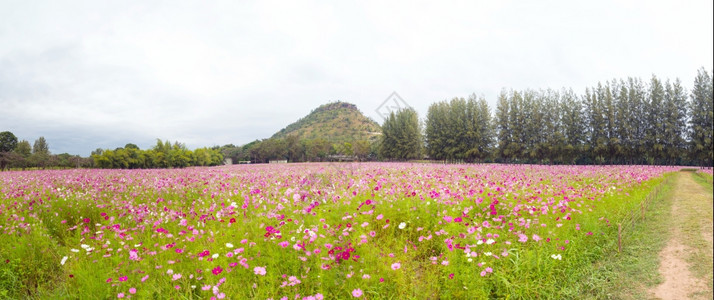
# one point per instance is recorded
(679, 281)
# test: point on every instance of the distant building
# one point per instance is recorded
(341, 157)
(228, 161)
(278, 161)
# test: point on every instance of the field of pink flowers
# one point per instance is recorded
(312, 231)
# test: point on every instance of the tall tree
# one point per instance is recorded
(40, 153)
(401, 136)
(503, 127)
(701, 107)
(23, 148)
(674, 121)
(654, 125)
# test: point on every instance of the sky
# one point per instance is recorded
(101, 74)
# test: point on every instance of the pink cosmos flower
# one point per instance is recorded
(217, 270)
(396, 266)
(120, 295)
(132, 290)
(259, 271)
(356, 293)
(522, 238)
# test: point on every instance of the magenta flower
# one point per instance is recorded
(217, 270)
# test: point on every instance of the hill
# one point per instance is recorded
(336, 122)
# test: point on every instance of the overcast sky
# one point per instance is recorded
(100, 74)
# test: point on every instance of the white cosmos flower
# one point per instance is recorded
(402, 225)
(229, 245)
(74, 250)
(64, 259)
(214, 256)
(556, 256)
(490, 241)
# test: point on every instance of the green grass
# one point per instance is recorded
(630, 273)
(591, 266)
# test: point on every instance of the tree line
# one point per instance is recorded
(163, 155)
(616, 122)
(21, 155)
(294, 149)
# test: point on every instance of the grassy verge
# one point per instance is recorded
(628, 274)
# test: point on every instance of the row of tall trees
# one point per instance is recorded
(21, 155)
(162, 155)
(616, 122)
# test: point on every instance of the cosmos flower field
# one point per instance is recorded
(312, 231)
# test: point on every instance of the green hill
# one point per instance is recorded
(336, 122)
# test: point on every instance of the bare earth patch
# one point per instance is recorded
(691, 203)
(678, 280)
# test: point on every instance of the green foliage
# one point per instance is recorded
(8, 141)
(459, 130)
(162, 155)
(401, 136)
(701, 121)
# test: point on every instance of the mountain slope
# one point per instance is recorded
(336, 122)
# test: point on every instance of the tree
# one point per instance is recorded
(654, 131)
(360, 148)
(23, 148)
(674, 121)
(573, 126)
(8, 141)
(503, 126)
(40, 153)
(701, 107)
(436, 131)
(401, 136)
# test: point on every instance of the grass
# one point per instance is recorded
(630, 273)
(633, 272)
(145, 211)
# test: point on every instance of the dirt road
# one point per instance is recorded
(686, 261)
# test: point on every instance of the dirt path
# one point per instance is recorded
(686, 261)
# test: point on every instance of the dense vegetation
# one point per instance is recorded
(162, 155)
(20, 155)
(618, 122)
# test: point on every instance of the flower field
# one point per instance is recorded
(312, 231)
